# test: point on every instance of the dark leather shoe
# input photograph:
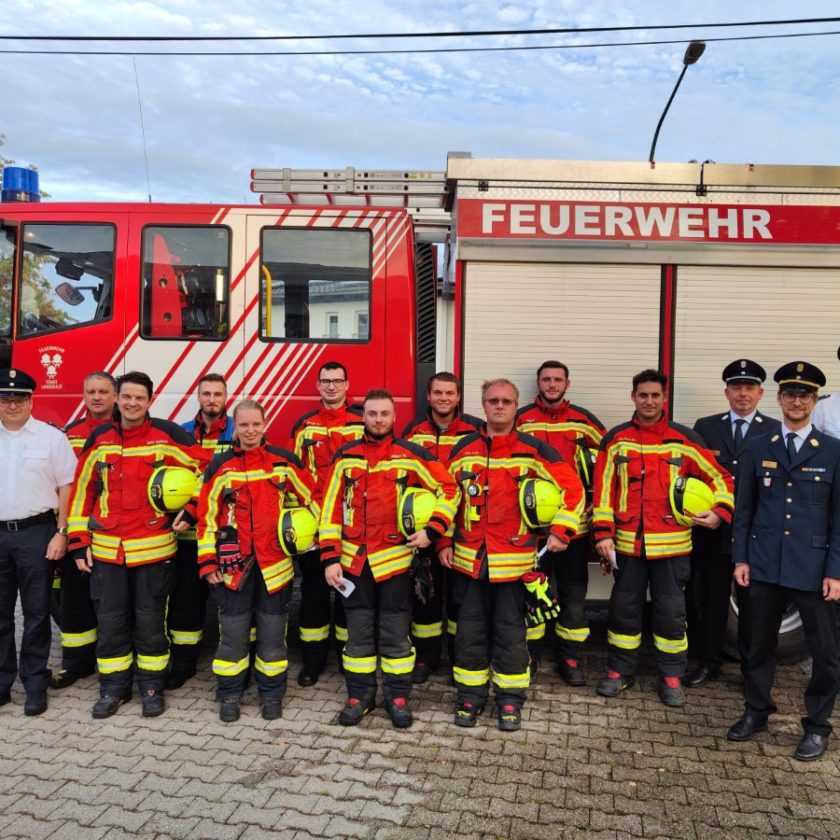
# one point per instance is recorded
(613, 686)
(65, 678)
(36, 703)
(673, 696)
(354, 710)
(272, 709)
(399, 713)
(229, 710)
(510, 719)
(700, 676)
(153, 703)
(745, 728)
(308, 676)
(570, 672)
(811, 747)
(107, 705)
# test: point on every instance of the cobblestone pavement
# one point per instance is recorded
(582, 766)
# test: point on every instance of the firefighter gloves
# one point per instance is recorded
(540, 602)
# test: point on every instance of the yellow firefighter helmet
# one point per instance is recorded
(538, 502)
(415, 509)
(170, 488)
(689, 497)
(586, 457)
(296, 530)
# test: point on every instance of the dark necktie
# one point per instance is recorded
(739, 432)
(791, 446)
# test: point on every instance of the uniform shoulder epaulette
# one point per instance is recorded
(285, 454)
(607, 439)
(463, 443)
(415, 449)
(588, 414)
(543, 449)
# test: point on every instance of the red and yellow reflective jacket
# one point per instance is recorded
(426, 433)
(489, 530)
(80, 430)
(109, 506)
(246, 489)
(319, 434)
(361, 497)
(633, 475)
(567, 428)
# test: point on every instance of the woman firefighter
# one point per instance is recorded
(255, 511)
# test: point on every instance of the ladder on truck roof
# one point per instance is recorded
(421, 192)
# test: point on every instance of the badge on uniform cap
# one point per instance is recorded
(799, 368)
(12, 374)
(743, 363)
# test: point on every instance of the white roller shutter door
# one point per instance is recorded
(600, 320)
(770, 315)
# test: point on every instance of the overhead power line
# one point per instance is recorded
(412, 51)
(478, 33)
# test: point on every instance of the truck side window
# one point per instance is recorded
(186, 277)
(66, 276)
(315, 284)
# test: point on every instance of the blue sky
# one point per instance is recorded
(209, 120)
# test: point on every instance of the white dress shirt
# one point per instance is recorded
(826, 415)
(35, 461)
(801, 435)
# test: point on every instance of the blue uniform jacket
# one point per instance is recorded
(787, 515)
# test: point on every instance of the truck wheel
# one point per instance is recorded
(792, 647)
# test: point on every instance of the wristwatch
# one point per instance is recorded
(62, 531)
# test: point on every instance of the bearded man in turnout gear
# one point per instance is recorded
(438, 430)
(127, 544)
(213, 430)
(637, 533)
(573, 432)
(316, 437)
(361, 544)
(494, 548)
(241, 557)
(76, 615)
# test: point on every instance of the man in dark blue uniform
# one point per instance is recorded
(786, 545)
(711, 558)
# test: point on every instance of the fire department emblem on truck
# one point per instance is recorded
(51, 358)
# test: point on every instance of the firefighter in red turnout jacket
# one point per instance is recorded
(127, 545)
(212, 429)
(575, 433)
(244, 493)
(438, 430)
(493, 549)
(76, 615)
(636, 531)
(361, 544)
(316, 437)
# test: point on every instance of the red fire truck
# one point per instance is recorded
(611, 267)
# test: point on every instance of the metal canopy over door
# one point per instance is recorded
(770, 315)
(600, 320)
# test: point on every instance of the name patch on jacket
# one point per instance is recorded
(770, 465)
(814, 469)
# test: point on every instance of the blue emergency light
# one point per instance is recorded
(20, 184)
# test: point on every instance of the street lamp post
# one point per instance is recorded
(692, 54)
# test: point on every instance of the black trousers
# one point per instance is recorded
(130, 607)
(317, 612)
(378, 618)
(667, 577)
(709, 591)
(76, 618)
(767, 606)
(24, 568)
(569, 574)
(238, 609)
(427, 619)
(491, 634)
(187, 608)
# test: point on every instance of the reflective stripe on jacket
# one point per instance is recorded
(489, 529)
(633, 475)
